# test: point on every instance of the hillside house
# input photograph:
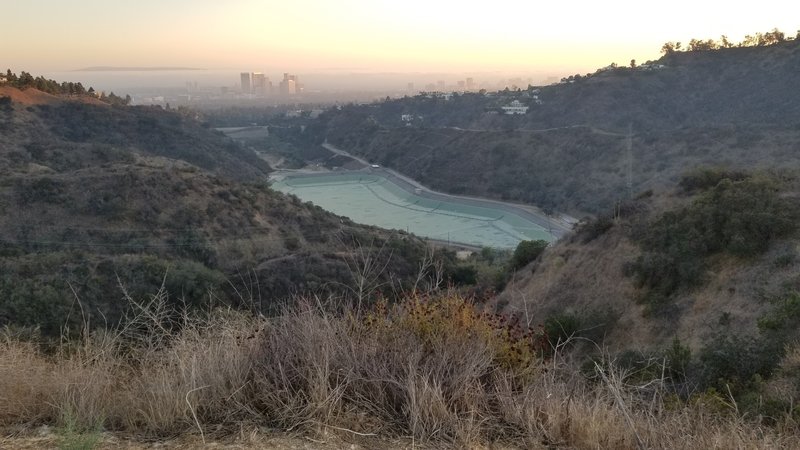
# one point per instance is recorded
(515, 107)
(437, 94)
(648, 67)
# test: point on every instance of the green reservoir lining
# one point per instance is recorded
(374, 199)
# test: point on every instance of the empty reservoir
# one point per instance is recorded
(375, 200)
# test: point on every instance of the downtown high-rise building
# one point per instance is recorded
(260, 84)
(247, 87)
(289, 85)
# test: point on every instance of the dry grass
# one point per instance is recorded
(435, 371)
(26, 383)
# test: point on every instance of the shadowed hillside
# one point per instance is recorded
(65, 135)
(710, 267)
(738, 107)
(675, 262)
(97, 199)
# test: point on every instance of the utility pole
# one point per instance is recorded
(630, 160)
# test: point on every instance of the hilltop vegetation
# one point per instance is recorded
(26, 81)
(773, 37)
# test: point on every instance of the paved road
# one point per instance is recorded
(557, 225)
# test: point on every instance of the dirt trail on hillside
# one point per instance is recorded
(28, 96)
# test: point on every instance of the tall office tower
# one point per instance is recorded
(440, 85)
(410, 88)
(246, 86)
(260, 83)
(289, 85)
(470, 84)
(298, 86)
(283, 86)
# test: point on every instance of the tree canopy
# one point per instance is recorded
(775, 36)
(25, 81)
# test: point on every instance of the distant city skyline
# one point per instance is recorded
(366, 36)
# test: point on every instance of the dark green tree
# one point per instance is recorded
(25, 80)
(526, 252)
(668, 48)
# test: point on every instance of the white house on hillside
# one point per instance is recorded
(515, 107)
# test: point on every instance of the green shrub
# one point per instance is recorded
(596, 228)
(562, 327)
(737, 363)
(706, 177)
(677, 359)
(526, 252)
(784, 316)
(462, 274)
(589, 326)
(44, 189)
(292, 243)
(741, 217)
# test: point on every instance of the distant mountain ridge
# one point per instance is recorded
(134, 68)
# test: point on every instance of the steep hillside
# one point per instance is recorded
(701, 285)
(28, 96)
(96, 200)
(712, 258)
(737, 86)
(739, 107)
(65, 135)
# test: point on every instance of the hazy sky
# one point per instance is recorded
(367, 35)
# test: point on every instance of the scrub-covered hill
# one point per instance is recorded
(738, 107)
(710, 269)
(96, 199)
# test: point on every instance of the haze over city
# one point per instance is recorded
(332, 40)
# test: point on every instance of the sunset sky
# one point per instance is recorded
(366, 35)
